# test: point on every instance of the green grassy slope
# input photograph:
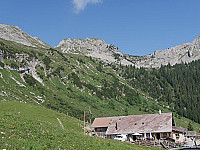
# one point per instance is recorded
(25, 126)
(72, 84)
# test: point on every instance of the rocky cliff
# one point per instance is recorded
(99, 49)
(96, 48)
(14, 33)
(184, 53)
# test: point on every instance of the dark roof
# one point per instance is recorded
(136, 123)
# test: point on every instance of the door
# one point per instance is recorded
(158, 136)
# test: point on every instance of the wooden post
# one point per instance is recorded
(84, 122)
(90, 114)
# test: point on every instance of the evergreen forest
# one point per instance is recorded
(175, 87)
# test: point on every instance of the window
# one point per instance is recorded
(177, 135)
(119, 136)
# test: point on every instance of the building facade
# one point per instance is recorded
(143, 127)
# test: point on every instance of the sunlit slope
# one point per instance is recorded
(70, 83)
(25, 126)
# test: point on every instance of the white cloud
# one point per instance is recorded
(81, 4)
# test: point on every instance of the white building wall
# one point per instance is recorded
(198, 141)
(180, 139)
(190, 141)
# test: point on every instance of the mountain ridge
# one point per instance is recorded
(184, 53)
(99, 49)
(14, 33)
(94, 47)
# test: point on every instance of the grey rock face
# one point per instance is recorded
(96, 48)
(184, 53)
(13, 33)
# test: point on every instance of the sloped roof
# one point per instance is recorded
(136, 123)
(102, 122)
(191, 133)
(179, 129)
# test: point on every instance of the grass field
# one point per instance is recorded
(25, 126)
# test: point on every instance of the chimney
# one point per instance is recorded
(116, 126)
(160, 112)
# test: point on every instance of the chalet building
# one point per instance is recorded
(146, 127)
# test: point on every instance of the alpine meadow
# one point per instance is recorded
(50, 95)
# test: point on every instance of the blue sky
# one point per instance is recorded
(137, 27)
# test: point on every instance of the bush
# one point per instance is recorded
(14, 66)
(47, 62)
(2, 64)
(30, 80)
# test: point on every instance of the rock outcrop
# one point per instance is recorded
(96, 48)
(14, 33)
(184, 53)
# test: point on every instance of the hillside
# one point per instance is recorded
(67, 83)
(175, 87)
(71, 83)
(25, 126)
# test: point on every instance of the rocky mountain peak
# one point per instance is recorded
(196, 42)
(184, 53)
(94, 47)
(99, 49)
(14, 33)
(95, 44)
(197, 39)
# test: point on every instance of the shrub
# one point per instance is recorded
(2, 64)
(30, 80)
